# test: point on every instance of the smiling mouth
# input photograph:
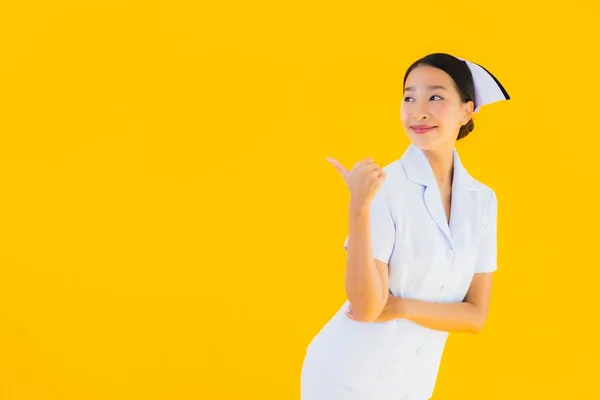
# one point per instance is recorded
(421, 129)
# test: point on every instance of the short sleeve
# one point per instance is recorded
(383, 228)
(488, 246)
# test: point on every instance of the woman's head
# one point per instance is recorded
(438, 101)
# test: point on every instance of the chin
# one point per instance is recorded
(427, 141)
(422, 142)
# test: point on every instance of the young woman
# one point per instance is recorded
(421, 247)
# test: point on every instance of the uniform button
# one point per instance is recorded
(450, 253)
(419, 350)
(442, 288)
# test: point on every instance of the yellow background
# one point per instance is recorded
(170, 228)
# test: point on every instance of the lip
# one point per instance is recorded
(421, 129)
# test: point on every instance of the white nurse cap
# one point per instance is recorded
(488, 89)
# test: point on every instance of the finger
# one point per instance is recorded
(378, 181)
(364, 162)
(375, 173)
(337, 165)
(369, 167)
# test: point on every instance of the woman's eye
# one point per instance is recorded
(410, 99)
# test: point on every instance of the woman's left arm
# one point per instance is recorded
(468, 316)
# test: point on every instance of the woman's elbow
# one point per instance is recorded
(364, 317)
(366, 314)
(478, 324)
(476, 329)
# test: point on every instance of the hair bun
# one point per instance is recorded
(466, 129)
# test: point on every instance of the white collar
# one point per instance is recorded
(417, 169)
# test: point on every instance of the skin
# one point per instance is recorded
(430, 98)
(366, 279)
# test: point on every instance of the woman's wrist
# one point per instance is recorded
(358, 208)
(401, 307)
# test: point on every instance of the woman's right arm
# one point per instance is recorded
(366, 280)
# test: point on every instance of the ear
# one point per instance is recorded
(468, 108)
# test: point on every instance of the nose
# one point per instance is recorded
(421, 111)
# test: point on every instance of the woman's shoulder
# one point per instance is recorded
(486, 200)
(397, 184)
(484, 191)
(395, 175)
(394, 185)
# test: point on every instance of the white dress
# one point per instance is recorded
(428, 260)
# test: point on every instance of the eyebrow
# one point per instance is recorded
(412, 89)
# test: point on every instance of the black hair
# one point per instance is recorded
(461, 75)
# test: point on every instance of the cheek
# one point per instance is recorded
(403, 114)
(440, 112)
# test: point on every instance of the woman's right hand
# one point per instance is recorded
(363, 180)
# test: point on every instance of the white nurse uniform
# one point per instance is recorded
(429, 260)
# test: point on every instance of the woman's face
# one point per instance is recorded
(432, 111)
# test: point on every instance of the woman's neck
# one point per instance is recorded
(442, 165)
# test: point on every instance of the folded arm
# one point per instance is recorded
(467, 316)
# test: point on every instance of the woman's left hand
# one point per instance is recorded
(390, 311)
